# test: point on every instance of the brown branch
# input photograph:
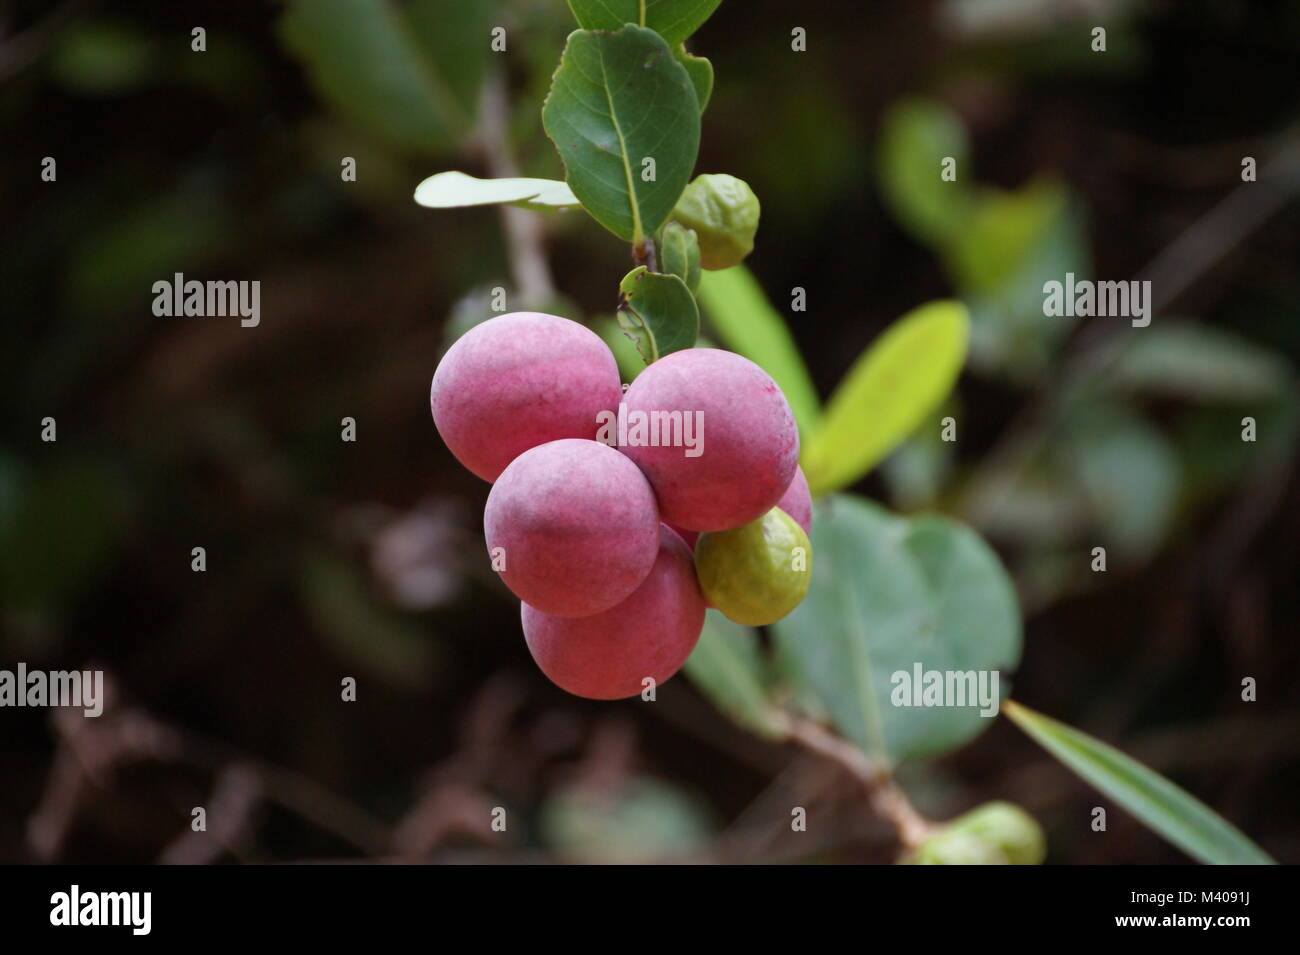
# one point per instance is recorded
(887, 799)
(525, 239)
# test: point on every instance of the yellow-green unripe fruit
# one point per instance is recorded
(758, 572)
(996, 833)
(723, 211)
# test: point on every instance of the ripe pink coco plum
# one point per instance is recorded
(572, 527)
(749, 446)
(650, 634)
(518, 381)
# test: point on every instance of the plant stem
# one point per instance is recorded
(887, 799)
(525, 241)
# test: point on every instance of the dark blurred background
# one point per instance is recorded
(328, 559)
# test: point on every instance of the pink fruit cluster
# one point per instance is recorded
(596, 540)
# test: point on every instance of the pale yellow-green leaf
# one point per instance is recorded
(890, 390)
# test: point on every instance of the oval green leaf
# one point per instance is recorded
(659, 311)
(451, 190)
(1168, 810)
(890, 390)
(674, 20)
(889, 594)
(618, 100)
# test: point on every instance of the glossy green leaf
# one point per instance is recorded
(889, 593)
(891, 389)
(747, 324)
(679, 254)
(1168, 810)
(660, 311)
(916, 136)
(674, 20)
(365, 59)
(618, 101)
(700, 70)
(727, 668)
(450, 190)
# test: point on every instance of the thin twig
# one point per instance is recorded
(525, 243)
(886, 798)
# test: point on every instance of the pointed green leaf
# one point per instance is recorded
(700, 70)
(660, 312)
(889, 593)
(617, 102)
(1168, 810)
(365, 59)
(747, 324)
(892, 387)
(727, 668)
(674, 20)
(451, 190)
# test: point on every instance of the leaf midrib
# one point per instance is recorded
(637, 235)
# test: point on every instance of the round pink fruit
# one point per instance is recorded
(745, 443)
(572, 527)
(797, 501)
(650, 634)
(518, 381)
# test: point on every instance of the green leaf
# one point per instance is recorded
(1008, 333)
(700, 70)
(59, 527)
(455, 39)
(360, 628)
(1168, 810)
(916, 136)
(660, 311)
(747, 324)
(888, 593)
(674, 20)
(679, 253)
(623, 345)
(727, 668)
(363, 57)
(617, 100)
(1189, 360)
(892, 387)
(450, 190)
(1129, 473)
(998, 237)
(638, 820)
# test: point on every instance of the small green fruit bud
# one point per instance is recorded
(996, 833)
(757, 573)
(724, 212)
